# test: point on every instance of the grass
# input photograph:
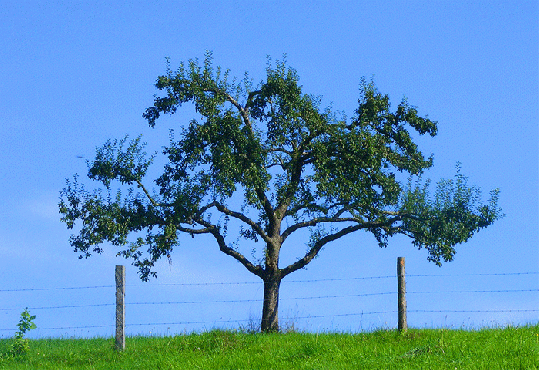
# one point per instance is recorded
(504, 348)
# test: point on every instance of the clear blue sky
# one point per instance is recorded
(76, 73)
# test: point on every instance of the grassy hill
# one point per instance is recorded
(504, 348)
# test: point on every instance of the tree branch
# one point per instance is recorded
(214, 230)
(282, 165)
(317, 246)
(313, 252)
(242, 217)
(154, 203)
(257, 270)
(206, 230)
(316, 221)
(243, 112)
(292, 186)
(245, 116)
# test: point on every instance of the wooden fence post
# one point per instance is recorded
(403, 324)
(120, 307)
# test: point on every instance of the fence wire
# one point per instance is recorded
(287, 281)
(185, 302)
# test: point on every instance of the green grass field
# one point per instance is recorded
(507, 348)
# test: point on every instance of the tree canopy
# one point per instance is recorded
(294, 165)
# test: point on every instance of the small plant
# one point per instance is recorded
(20, 345)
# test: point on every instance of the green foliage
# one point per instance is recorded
(20, 344)
(112, 161)
(289, 161)
(451, 217)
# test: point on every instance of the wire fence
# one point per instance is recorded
(106, 293)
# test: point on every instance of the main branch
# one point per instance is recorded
(313, 252)
(316, 221)
(242, 217)
(317, 246)
(255, 269)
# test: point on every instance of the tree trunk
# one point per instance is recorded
(270, 310)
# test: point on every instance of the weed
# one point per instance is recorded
(20, 345)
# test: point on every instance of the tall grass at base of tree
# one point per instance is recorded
(503, 348)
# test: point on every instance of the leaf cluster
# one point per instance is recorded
(452, 216)
(290, 161)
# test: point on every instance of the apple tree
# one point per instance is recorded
(294, 166)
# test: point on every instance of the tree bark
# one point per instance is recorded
(270, 310)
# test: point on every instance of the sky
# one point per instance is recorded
(76, 73)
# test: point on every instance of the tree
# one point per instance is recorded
(295, 166)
